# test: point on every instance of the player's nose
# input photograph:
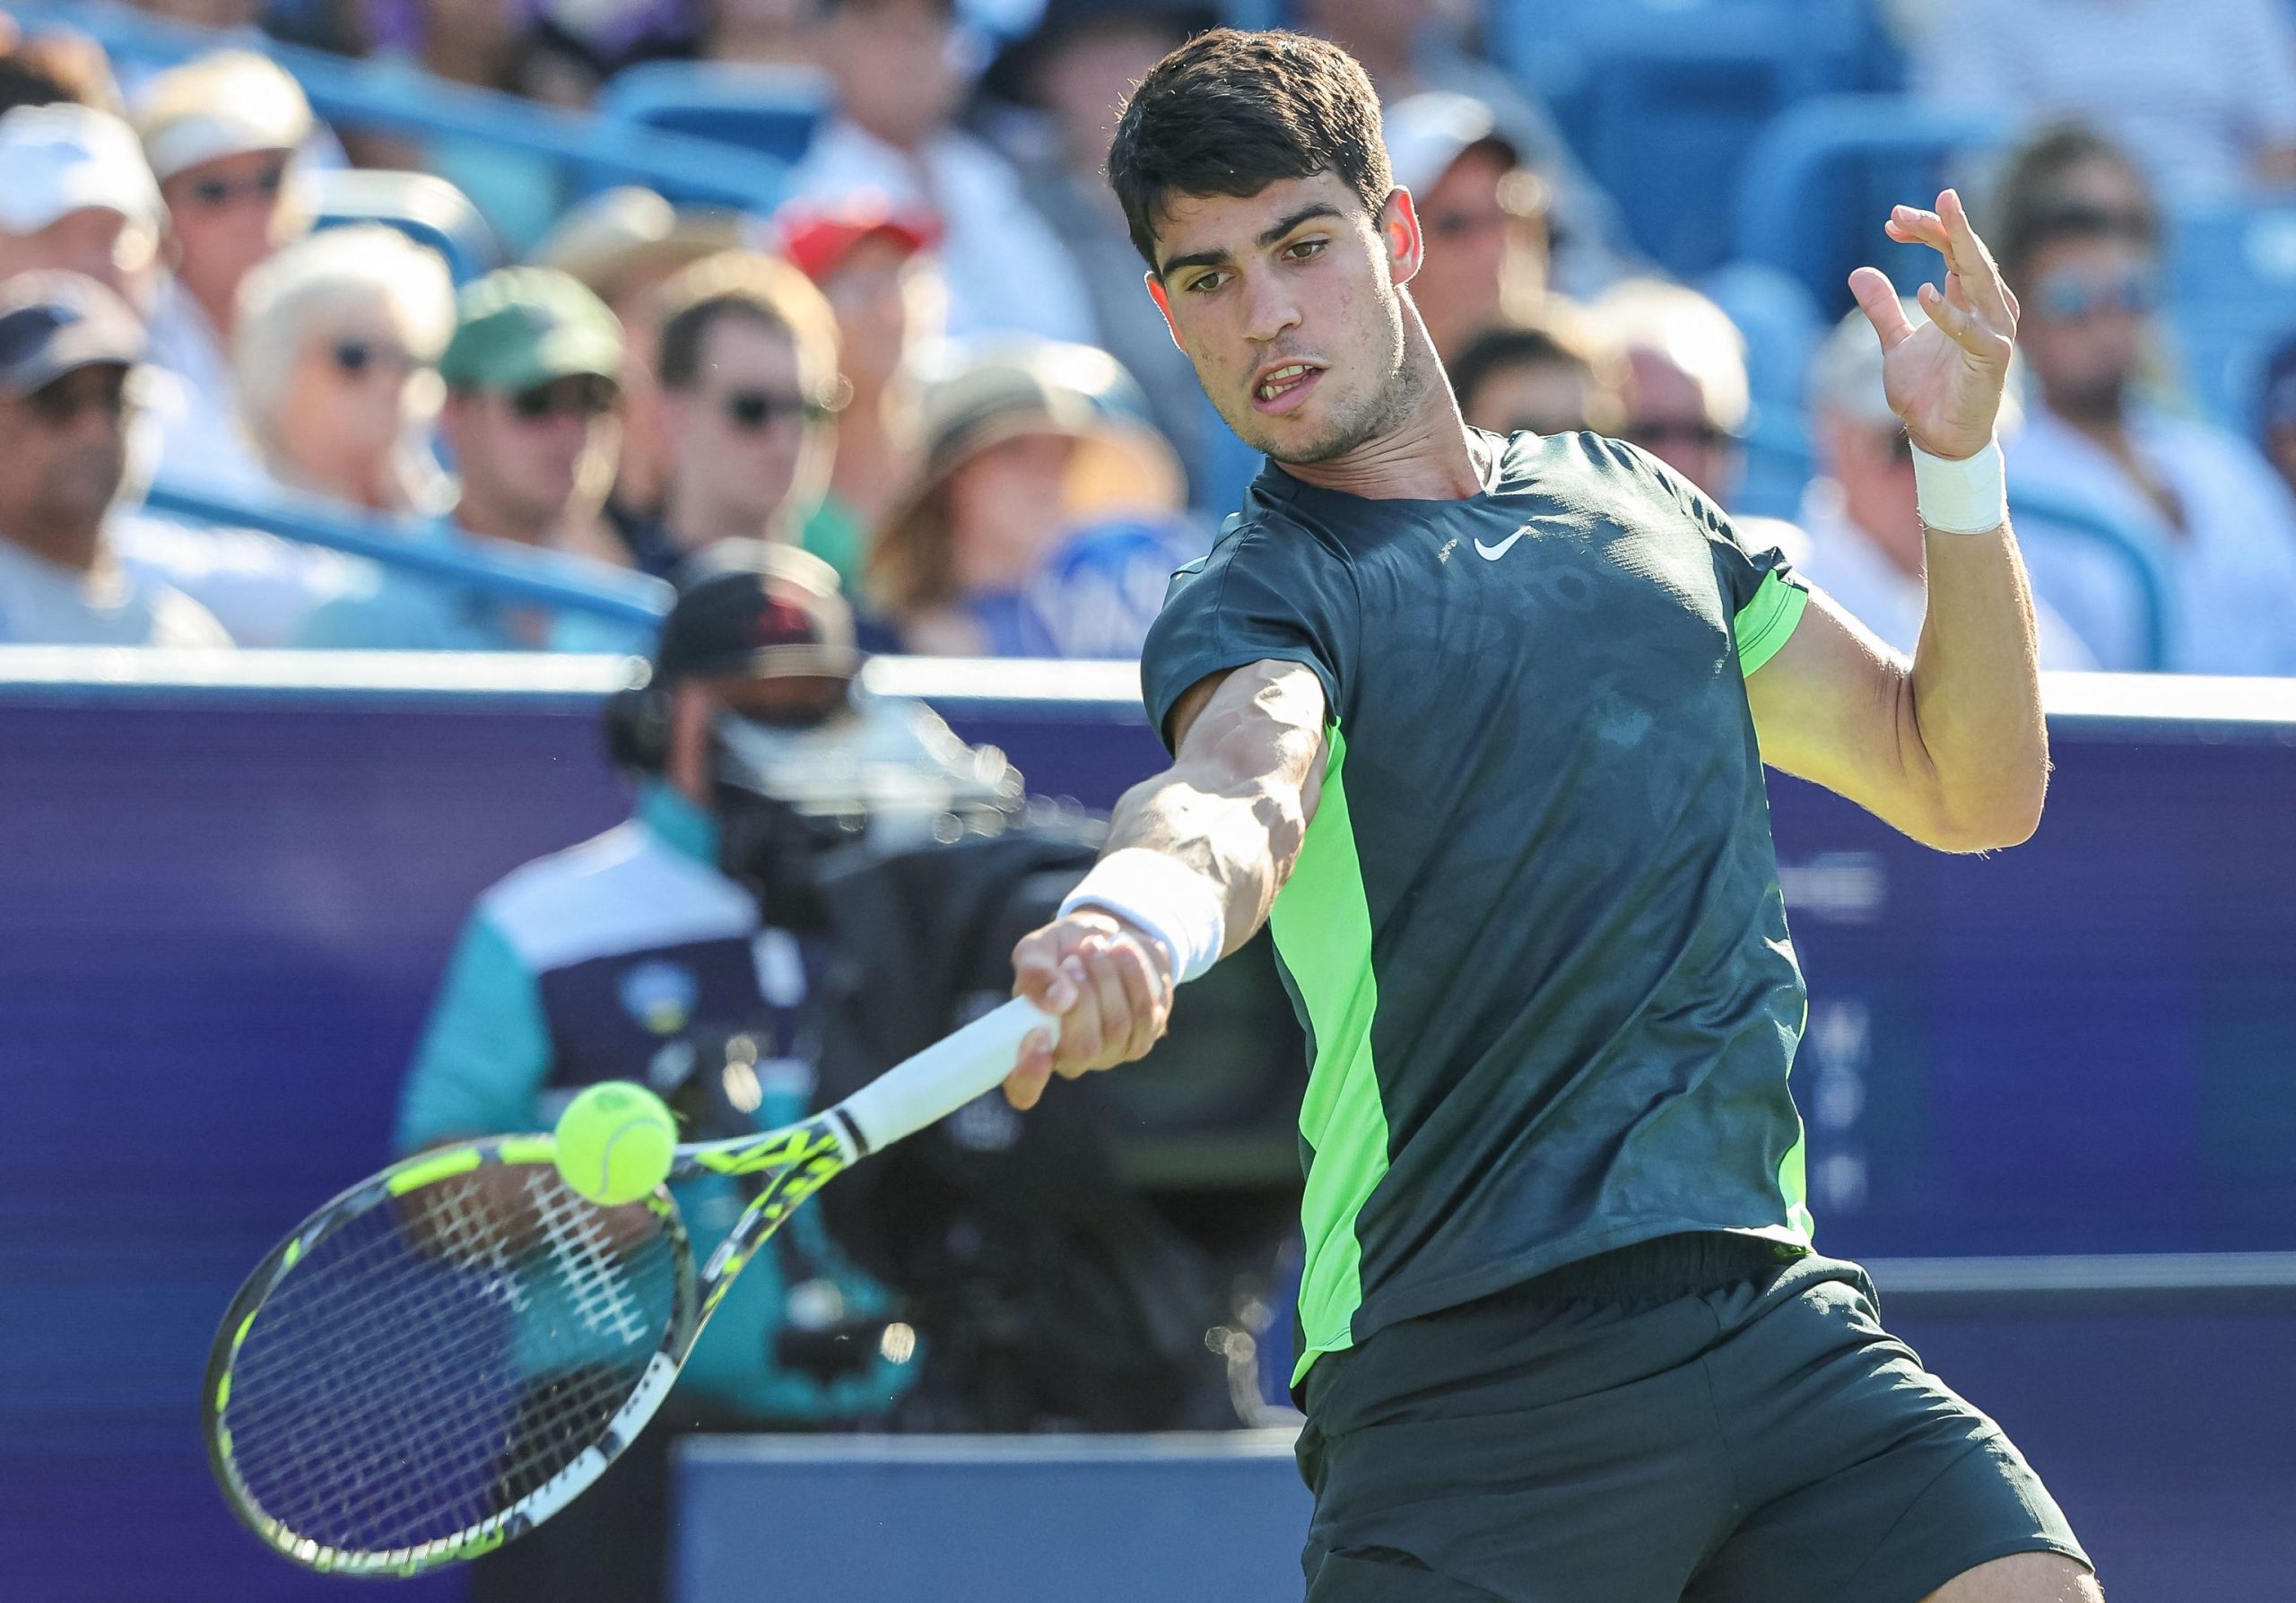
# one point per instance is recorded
(1270, 308)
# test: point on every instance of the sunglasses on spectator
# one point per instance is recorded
(2063, 296)
(214, 193)
(754, 410)
(58, 405)
(585, 395)
(356, 358)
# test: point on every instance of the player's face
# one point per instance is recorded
(1286, 302)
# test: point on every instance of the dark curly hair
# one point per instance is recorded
(1230, 112)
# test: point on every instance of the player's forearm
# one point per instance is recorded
(1241, 836)
(1972, 703)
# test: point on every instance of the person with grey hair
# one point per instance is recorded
(1687, 402)
(334, 356)
(1865, 541)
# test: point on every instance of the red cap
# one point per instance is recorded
(817, 239)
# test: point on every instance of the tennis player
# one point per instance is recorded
(1478, 724)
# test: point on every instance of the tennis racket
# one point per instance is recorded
(447, 1353)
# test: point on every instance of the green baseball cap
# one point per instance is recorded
(522, 327)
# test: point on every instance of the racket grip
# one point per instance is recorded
(945, 1077)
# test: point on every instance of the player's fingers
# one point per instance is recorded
(1104, 968)
(1911, 225)
(1037, 973)
(1960, 325)
(1029, 1078)
(1980, 276)
(1082, 1032)
(1877, 298)
(1144, 995)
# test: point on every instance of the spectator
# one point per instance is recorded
(531, 378)
(875, 271)
(890, 64)
(2276, 411)
(221, 134)
(626, 955)
(2201, 92)
(46, 69)
(335, 355)
(1408, 51)
(1686, 398)
(2222, 523)
(1073, 73)
(755, 32)
(1042, 522)
(77, 198)
(620, 245)
(1482, 213)
(68, 347)
(747, 350)
(1866, 547)
(1550, 375)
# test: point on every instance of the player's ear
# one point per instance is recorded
(1399, 232)
(1164, 304)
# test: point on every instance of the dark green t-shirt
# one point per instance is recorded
(1534, 933)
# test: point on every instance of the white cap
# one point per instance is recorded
(1426, 133)
(65, 158)
(226, 104)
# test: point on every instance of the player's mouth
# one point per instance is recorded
(1284, 387)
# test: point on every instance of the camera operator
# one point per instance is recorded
(636, 956)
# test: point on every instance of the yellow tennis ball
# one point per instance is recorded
(614, 1142)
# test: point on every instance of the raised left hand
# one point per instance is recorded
(1945, 377)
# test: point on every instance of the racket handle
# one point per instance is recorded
(945, 1077)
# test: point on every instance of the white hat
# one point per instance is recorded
(226, 104)
(1426, 133)
(65, 158)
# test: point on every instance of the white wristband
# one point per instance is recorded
(1172, 901)
(1968, 497)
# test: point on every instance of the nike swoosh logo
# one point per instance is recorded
(1492, 553)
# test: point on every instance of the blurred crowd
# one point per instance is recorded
(934, 366)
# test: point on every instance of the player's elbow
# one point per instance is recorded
(2001, 817)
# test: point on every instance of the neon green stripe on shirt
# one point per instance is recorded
(1766, 624)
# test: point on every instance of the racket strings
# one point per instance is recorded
(439, 1357)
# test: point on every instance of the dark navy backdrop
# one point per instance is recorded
(222, 912)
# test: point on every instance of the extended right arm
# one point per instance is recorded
(1228, 819)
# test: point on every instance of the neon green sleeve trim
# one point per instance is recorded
(1766, 622)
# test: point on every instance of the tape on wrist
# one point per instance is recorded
(1175, 905)
(1968, 497)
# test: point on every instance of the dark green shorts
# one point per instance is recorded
(1687, 1419)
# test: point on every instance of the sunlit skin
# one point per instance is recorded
(528, 479)
(1298, 289)
(1461, 289)
(95, 242)
(337, 431)
(217, 243)
(731, 483)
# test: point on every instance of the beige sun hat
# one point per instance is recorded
(980, 395)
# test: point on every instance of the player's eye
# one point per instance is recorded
(1205, 285)
(1300, 251)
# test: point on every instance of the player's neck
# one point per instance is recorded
(1429, 455)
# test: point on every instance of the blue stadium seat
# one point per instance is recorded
(1819, 180)
(771, 109)
(2232, 282)
(428, 210)
(1665, 98)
